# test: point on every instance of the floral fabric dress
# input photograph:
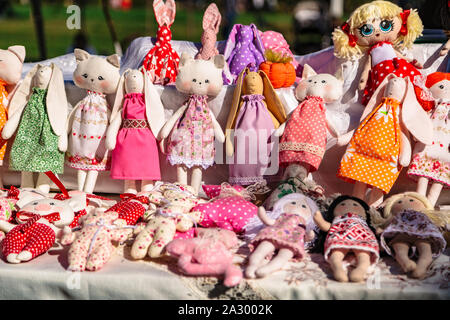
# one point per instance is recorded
(35, 148)
(412, 226)
(305, 137)
(3, 117)
(87, 150)
(433, 161)
(373, 152)
(191, 142)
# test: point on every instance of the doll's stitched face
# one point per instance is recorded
(96, 74)
(395, 88)
(42, 77)
(349, 206)
(253, 84)
(321, 85)
(134, 82)
(47, 206)
(377, 30)
(298, 207)
(407, 203)
(441, 90)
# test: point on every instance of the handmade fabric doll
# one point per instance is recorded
(89, 119)
(11, 62)
(208, 255)
(286, 233)
(193, 127)
(139, 114)
(244, 47)
(255, 112)
(378, 30)
(349, 235)
(41, 222)
(211, 24)
(407, 226)
(304, 134)
(275, 42)
(131, 207)
(380, 146)
(92, 246)
(161, 62)
(36, 111)
(431, 164)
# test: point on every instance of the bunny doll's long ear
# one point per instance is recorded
(377, 96)
(257, 39)
(415, 119)
(274, 104)
(22, 94)
(154, 109)
(164, 13)
(231, 42)
(235, 103)
(120, 93)
(212, 18)
(57, 101)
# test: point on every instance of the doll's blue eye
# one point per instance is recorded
(386, 25)
(366, 30)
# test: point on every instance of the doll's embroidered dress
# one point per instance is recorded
(433, 161)
(253, 129)
(135, 156)
(35, 148)
(3, 117)
(191, 142)
(373, 152)
(305, 136)
(87, 150)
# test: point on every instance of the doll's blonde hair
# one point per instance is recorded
(369, 11)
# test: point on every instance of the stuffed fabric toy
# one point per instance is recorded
(286, 233)
(136, 119)
(380, 146)
(208, 255)
(255, 112)
(349, 235)
(277, 43)
(211, 24)
(431, 164)
(177, 200)
(193, 127)
(244, 47)
(91, 247)
(407, 226)
(131, 207)
(161, 62)
(87, 130)
(11, 62)
(379, 30)
(40, 223)
(36, 111)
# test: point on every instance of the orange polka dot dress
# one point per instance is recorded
(372, 154)
(3, 117)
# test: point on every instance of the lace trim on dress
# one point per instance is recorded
(189, 163)
(302, 146)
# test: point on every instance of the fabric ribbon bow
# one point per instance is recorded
(351, 37)
(51, 217)
(404, 16)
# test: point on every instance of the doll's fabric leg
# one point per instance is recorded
(434, 193)
(283, 256)
(424, 261)
(182, 175)
(26, 179)
(359, 190)
(336, 259)
(41, 240)
(129, 186)
(295, 170)
(163, 235)
(263, 249)
(196, 179)
(375, 197)
(91, 179)
(401, 255)
(43, 183)
(99, 256)
(233, 275)
(13, 244)
(146, 185)
(78, 254)
(143, 241)
(422, 185)
(81, 179)
(359, 273)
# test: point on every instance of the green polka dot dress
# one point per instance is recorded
(35, 148)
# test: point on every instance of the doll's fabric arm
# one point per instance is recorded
(218, 132)
(11, 125)
(113, 130)
(414, 62)
(168, 126)
(264, 218)
(69, 122)
(121, 234)
(445, 48)
(344, 139)
(279, 132)
(365, 73)
(405, 147)
(62, 142)
(332, 129)
(67, 236)
(320, 221)
(5, 226)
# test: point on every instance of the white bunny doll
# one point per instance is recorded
(38, 111)
(139, 114)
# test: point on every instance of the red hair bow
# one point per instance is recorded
(351, 37)
(404, 16)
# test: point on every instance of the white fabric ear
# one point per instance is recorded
(376, 97)
(114, 60)
(19, 51)
(185, 58)
(308, 71)
(22, 94)
(57, 102)
(154, 109)
(77, 202)
(81, 55)
(120, 92)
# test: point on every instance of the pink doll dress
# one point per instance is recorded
(253, 120)
(305, 136)
(87, 150)
(433, 161)
(350, 231)
(135, 156)
(191, 141)
(287, 232)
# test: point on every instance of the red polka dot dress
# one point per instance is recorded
(131, 209)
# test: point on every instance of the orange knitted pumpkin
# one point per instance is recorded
(279, 69)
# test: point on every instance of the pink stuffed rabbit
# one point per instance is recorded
(211, 24)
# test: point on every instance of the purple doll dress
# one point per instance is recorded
(135, 156)
(253, 121)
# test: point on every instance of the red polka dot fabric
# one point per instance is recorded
(129, 210)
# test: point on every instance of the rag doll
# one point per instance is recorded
(244, 47)
(211, 24)
(11, 62)
(193, 127)
(256, 111)
(349, 238)
(131, 208)
(408, 231)
(208, 254)
(286, 233)
(89, 119)
(38, 111)
(161, 62)
(40, 223)
(92, 246)
(379, 30)
(431, 164)
(304, 134)
(380, 146)
(136, 119)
